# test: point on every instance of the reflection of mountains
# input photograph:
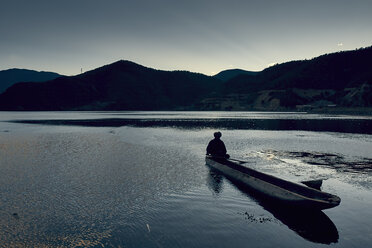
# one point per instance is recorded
(322, 125)
(314, 226)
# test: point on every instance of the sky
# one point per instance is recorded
(206, 36)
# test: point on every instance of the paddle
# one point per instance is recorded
(240, 161)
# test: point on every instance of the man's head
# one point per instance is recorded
(217, 135)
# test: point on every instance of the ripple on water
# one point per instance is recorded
(73, 188)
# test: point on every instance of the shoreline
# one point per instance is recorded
(342, 111)
(335, 111)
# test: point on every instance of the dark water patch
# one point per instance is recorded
(312, 225)
(362, 126)
(15, 216)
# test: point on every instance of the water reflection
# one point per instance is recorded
(215, 181)
(314, 226)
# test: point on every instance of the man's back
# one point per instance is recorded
(216, 147)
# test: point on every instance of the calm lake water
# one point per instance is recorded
(139, 179)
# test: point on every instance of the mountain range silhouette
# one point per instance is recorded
(342, 79)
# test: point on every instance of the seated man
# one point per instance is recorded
(216, 147)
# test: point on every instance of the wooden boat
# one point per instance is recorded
(282, 191)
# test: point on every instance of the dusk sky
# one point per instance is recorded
(201, 36)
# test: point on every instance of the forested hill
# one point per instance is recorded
(335, 80)
(231, 73)
(12, 76)
(341, 79)
(122, 85)
(331, 71)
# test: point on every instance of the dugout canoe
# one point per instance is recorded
(283, 191)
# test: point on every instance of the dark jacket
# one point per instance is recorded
(216, 147)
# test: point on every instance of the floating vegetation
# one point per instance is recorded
(336, 161)
(258, 219)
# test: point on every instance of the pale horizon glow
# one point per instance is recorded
(199, 36)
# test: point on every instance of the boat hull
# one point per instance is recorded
(284, 192)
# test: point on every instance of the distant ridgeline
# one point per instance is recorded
(338, 80)
(12, 76)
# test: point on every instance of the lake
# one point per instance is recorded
(139, 179)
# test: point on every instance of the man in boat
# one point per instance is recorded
(216, 147)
